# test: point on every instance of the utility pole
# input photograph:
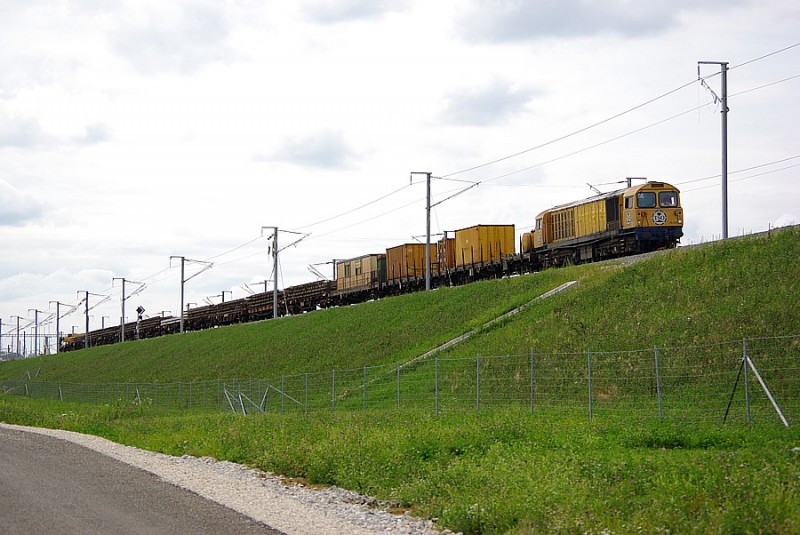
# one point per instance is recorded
(86, 336)
(275, 252)
(124, 298)
(86, 296)
(35, 331)
(723, 65)
(427, 227)
(58, 325)
(18, 318)
(184, 280)
(274, 270)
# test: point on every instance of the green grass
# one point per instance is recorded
(494, 472)
(503, 470)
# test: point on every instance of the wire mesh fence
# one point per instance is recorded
(745, 380)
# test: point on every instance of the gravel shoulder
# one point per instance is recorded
(290, 508)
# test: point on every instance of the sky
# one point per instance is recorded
(132, 132)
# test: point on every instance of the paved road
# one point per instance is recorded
(50, 486)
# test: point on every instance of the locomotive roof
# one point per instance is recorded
(610, 194)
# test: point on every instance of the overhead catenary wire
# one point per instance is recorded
(612, 117)
(747, 177)
(170, 272)
(711, 177)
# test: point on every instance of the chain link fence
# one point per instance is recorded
(745, 380)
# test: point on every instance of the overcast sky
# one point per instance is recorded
(133, 131)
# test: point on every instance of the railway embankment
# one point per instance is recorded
(628, 450)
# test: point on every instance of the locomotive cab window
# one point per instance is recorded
(646, 199)
(667, 199)
(539, 224)
(628, 203)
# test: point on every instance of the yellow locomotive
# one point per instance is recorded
(633, 220)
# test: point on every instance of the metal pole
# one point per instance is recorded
(86, 337)
(767, 392)
(183, 280)
(532, 383)
(724, 67)
(35, 331)
(745, 359)
(658, 384)
(333, 391)
(428, 236)
(478, 383)
(591, 415)
(58, 327)
(427, 226)
(17, 348)
(436, 385)
(724, 100)
(275, 282)
(122, 318)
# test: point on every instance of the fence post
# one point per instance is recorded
(745, 359)
(333, 391)
(436, 385)
(532, 383)
(190, 395)
(591, 408)
(658, 383)
(306, 400)
(283, 391)
(398, 385)
(364, 402)
(478, 383)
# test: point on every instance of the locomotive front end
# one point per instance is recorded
(653, 211)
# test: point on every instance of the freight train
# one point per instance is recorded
(633, 220)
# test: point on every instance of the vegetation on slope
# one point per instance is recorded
(498, 471)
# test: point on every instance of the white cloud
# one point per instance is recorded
(325, 150)
(18, 207)
(518, 20)
(22, 133)
(172, 37)
(326, 12)
(493, 104)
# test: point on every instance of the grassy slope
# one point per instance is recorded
(501, 471)
(716, 292)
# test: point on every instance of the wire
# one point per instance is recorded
(746, 177)
(574, 133)
(764, 56)
(763, 86)
(611, 118)
(348, 212)
(234, 249)
(738, 171)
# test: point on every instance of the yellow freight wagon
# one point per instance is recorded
(407, 262)
(483, 244)
(360, 273)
